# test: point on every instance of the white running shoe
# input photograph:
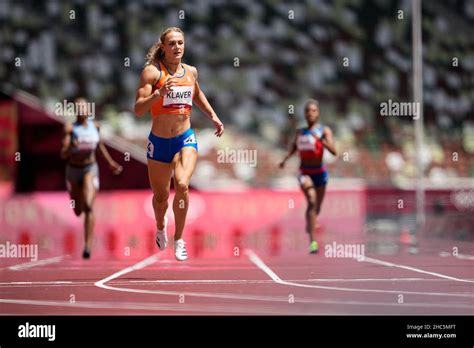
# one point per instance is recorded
(161, 237)
(180, 250)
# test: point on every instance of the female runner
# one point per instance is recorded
(168, 88)
(310, 143)
(81, 141)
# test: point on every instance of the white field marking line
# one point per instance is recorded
(215, 308)
(205, 281)
(152, 259)
(146, 262)
(148, 306)
(260, 264)
(132, 306)
(27, 265)
(372, 280)
(95, 268)
(128, 282)
(200, 281)
(458, 256)
(414, 269)
(37, 283)
(245, 281)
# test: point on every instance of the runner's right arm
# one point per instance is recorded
(291, 152)
(66, 142)
(145, 95)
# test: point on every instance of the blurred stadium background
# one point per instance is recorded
(254, 63)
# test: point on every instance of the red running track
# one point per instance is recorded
(430, 281)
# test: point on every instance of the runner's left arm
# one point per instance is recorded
(203, 104)
(114, 166)
(328, 141)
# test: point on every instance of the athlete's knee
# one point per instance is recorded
(161, 198)
(76, 206)
(318, 208)
(311, 203)
(319, 204)
(77, 210)
(87, 207)
(182, 186)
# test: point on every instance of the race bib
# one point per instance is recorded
(86, 143)
(178, 97)
(306, 142)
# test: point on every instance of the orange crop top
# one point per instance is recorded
(180, 100)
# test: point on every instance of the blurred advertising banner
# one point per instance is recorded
(219, 224)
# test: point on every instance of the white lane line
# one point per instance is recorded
(260, 264)
(414, 269)
(8, 284)
(201, 281)
(132, 306)
(148, 261)
(226, 296)
(245, 281)
(42, 284)
(206, 308)
(373, 280)
(27, 265)
(152, 259)
(458, 256)
(220, 308)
